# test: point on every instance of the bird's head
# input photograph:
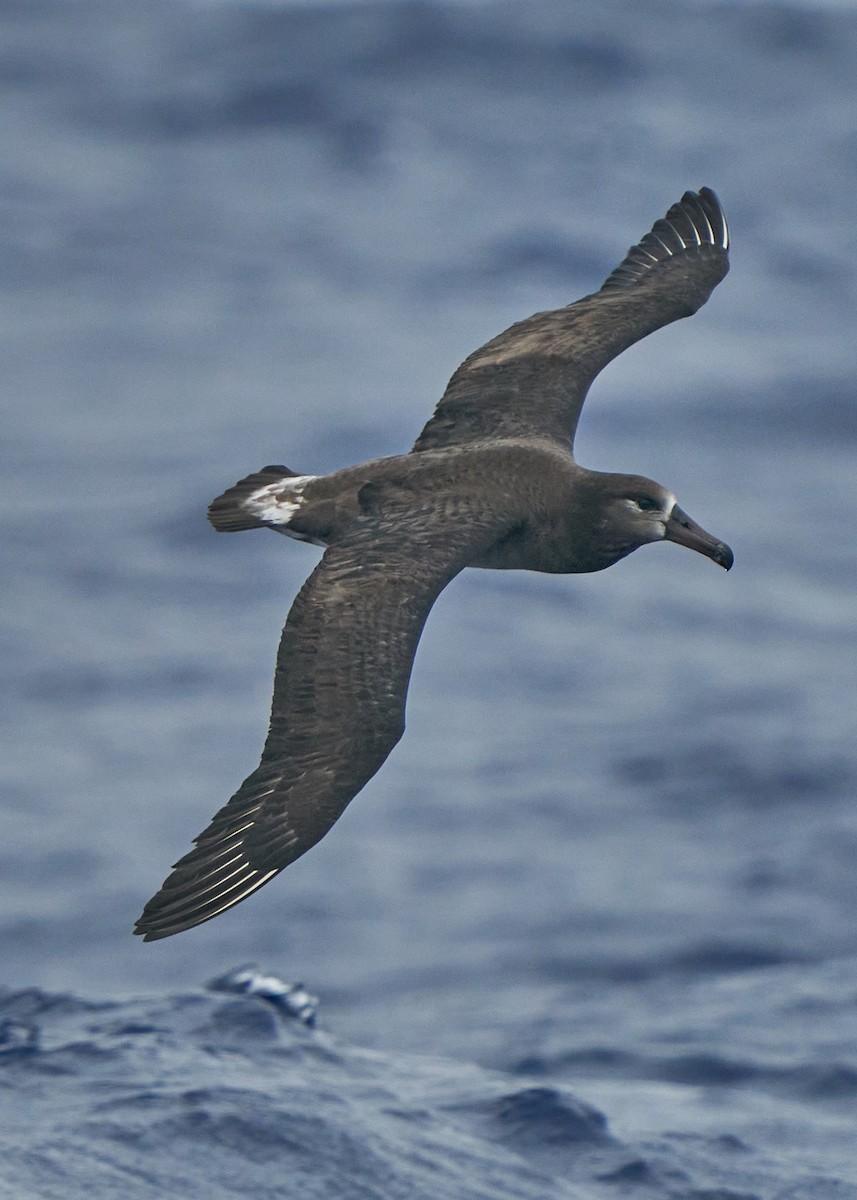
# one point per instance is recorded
(634, 510)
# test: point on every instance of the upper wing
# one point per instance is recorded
(531, 380)
(342, 676)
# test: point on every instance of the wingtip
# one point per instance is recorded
(709, 202)
(696, 221)
(197, 892)
(150, 935)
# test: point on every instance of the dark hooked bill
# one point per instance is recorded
(683, 530)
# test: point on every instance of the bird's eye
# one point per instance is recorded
(647, 504)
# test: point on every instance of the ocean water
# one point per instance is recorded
(592, 931)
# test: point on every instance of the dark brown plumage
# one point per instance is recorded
(490, 482)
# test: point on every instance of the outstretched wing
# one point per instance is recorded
(531, 380)
(341, 680)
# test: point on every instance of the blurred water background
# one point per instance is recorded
(592, 930)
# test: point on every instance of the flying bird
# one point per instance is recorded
(490, 482)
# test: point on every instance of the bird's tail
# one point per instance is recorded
(248, 502)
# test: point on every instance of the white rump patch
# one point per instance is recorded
(276, 503)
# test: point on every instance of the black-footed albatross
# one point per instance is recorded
(490, 482)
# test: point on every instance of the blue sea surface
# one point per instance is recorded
(592, 931)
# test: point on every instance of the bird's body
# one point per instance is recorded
(491, 482)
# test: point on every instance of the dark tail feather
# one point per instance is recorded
(228, 514)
